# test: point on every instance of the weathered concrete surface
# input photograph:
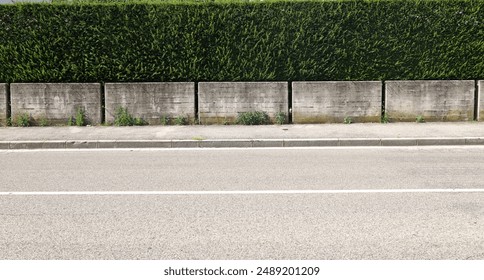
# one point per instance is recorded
(433, 100)
(56, 102)
(480, 101)
(3, 103)
(332, 102)
(151, 101)
(221, 102)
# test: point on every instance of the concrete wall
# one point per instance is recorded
(480, 101)
(3, 104)
(151, 101)
(56, 102)
(220, 102)
(433, 100)
(332, 102)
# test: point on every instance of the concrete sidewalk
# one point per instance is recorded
(371, 134)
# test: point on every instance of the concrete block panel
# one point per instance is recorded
(480, 101)
(151, 101)
(3, 104)
(332, 102)
(56, 102)
(432, 100)
(220, 102)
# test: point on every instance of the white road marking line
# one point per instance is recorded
(254, 192)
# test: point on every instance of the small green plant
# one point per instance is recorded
(70, 121)
(165, 120)
(80, 117)
(43, 121)
(139, 121)
(198, 138)
(23, 120)
(9, 121)
(281, 118)
(180, 120)
(420, 119)
(384, 118)
(348, 120)
(123, 118)
(253, 118)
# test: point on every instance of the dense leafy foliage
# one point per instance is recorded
(253, 118)
(242, 41)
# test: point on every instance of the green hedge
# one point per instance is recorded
(264, 41)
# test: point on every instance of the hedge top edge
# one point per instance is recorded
(202, 2)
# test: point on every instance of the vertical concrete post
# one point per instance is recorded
(480, 100)
(3, 104)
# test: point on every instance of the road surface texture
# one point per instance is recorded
(320, 203)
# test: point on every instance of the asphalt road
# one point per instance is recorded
(206, 204)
